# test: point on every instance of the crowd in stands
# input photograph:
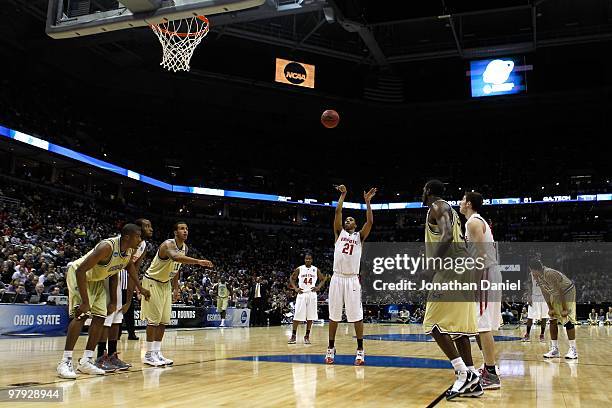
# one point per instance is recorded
(43, 229)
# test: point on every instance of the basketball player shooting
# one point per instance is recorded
(345, 288)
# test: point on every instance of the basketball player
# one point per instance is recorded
(444, 319)
(108, 357)
(223, 294)
(560, 295)
(87, 295)
(537, 310)
(306, 299)
(162, 280)
(479, 236)
(345, 288)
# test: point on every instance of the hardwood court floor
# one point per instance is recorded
(398, 373)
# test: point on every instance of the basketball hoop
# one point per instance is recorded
(179, 40)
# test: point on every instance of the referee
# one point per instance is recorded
(128, 317)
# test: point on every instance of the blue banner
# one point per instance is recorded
(498, 68)
(33, 319)
(233, 317)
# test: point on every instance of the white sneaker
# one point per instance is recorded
(360, 358)
(572, 353)
(150, 358)
(553, 353)
(330, 355)
(88, 366)
(163, 359)
(65, 369)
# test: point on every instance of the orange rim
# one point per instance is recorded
(159, 28)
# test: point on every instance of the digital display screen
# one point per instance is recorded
(499, 76)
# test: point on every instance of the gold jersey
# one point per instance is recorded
(222, 290)
(117, 262)
(164, 270)
(551, 279)
(433, 234)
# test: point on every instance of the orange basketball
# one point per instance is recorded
(330, 118)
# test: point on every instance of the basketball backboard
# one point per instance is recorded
(74, 18)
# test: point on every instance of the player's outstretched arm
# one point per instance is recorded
(166, 251)
(367, 227)
(338, 214)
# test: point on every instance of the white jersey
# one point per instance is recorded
(347, 253)
(536, 291)
(307, 278)
(139, 251)
(490, 249)
(123, 275)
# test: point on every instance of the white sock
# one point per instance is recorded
(459, 365)
(572, 343)
(555, 343)
(87, 354)
(149, 346)
(222, 321)
(68, 355)
(157, 346)
(472, 369)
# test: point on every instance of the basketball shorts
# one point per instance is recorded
(117, 316)
(489, 316)
(537, 311)
(557, 307)
(95, 292)
(454, 318)
(222, 303)
(306, 307)
(345, 291)
(158, 309)
(488, 307)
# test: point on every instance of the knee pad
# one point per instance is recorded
(569, 325)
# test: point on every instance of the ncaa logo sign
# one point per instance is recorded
(295, 73)
(243, 317)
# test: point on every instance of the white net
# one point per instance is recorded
(179, 40)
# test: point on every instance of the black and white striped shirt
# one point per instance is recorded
(124, 277)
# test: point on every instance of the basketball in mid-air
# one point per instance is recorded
(330, 118)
